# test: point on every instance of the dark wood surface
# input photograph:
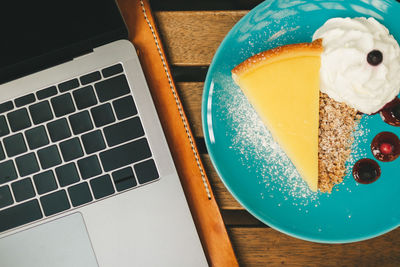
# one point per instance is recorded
(191, 32)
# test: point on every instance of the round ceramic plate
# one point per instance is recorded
(251, 164)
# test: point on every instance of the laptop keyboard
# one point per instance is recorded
(69, 145)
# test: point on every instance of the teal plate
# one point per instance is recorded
(251, 164)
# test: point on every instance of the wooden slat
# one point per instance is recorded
(192, 37)
(268, 247)
(181, 5)
(191, 94)
(224, 199)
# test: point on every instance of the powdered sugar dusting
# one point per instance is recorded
(260, 154)
(360, 134)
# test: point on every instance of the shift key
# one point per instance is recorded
(126, 154)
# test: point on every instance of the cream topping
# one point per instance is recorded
(345, 74)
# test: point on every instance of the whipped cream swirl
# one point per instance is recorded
(346, 76)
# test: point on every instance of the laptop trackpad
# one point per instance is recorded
(62, 242)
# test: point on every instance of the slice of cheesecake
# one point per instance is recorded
(282, 84)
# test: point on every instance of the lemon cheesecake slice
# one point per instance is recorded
(282, 85)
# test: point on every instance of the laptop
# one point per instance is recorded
(86, 176)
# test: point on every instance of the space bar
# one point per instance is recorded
(126, 154)
(18, 215)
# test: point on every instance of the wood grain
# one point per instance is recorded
(267, 247)
(182, 5)
(192, 37)
(224, 199)
(191, 94)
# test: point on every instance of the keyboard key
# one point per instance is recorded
(124, 179)
(102, 186)
(41, 112)
(81, 122)
(23, 189)
(146, 171)
(62, 105)
(19, 215)
(125, 107)
(47, 92)
(67, 174)
(71, 149)
(6, 106)
(109, 71)
(124, 155)
(36, 137)
(80, 194)
(112, 88)
(103, 115)
(45, 182)
(123, 131)
(49, 157)
(25, 100)
(5, 198)
(55, 202)
(93, 142)
(85, 97)
(91, 77)
(68, 85)
(19, 119)
(89, 167)
(3, 126)
(7, 172)
(27, 164)
(14, 145)
(59, 130)
(2, 155)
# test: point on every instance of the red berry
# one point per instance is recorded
(386, 148)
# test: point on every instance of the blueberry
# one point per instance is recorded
(375, 57)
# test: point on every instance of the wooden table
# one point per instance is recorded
(191, 39)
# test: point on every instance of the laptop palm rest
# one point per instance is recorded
(62, 242)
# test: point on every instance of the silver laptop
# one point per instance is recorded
(86, 177)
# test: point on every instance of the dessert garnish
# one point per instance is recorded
(375, 57)
(366, 171)
(385, 146)
(391, 112)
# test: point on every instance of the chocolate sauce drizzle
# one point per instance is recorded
(390, 113)
(366, 171)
